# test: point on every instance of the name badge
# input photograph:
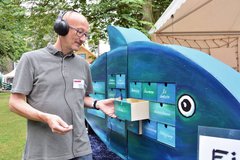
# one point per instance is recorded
(78, 83)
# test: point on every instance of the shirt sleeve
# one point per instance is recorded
(23, 79)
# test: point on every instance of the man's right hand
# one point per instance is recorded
(57, 125)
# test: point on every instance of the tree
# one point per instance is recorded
(138, 14)
(13, 37)
(32, 25)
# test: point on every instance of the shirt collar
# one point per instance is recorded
(55, 52)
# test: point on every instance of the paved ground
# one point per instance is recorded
(100, 150)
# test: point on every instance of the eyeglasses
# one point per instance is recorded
(80, 33)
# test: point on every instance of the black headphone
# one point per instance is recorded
(61, 26)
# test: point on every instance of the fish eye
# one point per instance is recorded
(186, 105)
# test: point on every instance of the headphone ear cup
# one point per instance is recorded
(61, 27)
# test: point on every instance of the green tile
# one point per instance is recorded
(135, 90)
(122, 110)
(149, 91)
(121, 81)
(166, 134)
(164, 113)
(111, 81)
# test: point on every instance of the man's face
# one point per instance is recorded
(78, 33)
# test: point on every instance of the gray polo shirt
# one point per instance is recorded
(54, 84)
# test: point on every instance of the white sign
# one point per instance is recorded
(78, 83)
(215, 148)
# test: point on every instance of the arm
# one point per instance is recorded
(106, 105)
(18, 104)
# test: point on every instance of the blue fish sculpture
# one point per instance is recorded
(186, 90)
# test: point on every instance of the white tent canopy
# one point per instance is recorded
(7, 78)
(200, 16)
(176, 4)
(212, 26)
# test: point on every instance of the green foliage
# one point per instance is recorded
(159, 7)
(27, 24)
(13, 35)
(125, 13)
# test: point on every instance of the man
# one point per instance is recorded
(51, 88)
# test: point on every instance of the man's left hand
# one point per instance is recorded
(107, 106)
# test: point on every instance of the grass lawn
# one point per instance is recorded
(12, 131)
